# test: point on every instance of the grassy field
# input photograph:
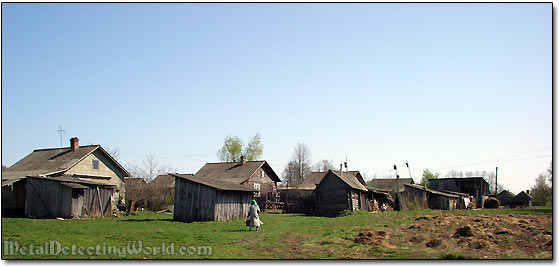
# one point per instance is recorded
(283, 236)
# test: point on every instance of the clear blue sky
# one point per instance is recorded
(444, 86)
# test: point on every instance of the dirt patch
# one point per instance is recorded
(375, 238)
(482, 235)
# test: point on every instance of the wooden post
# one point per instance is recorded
(100, 204)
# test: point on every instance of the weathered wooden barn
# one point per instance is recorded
(418, 196)
(505, 198)
(67, 197)
(209, 199)
(476, 187)
(89, 162)
(257, 175)
(523, 199)
(390, 184)
(340, 191)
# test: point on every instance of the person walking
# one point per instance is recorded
(253, 219)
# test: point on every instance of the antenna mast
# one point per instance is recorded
(61, 132)
(407, 165)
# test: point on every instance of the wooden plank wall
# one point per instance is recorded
(193, 201)
(232, 205)
(332, 196)
(47, 199)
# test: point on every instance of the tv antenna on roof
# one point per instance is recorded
(345, 163)
(61, 131)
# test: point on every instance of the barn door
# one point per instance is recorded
(77, 202)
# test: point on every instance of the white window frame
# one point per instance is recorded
(257, 187)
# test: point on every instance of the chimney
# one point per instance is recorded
(74, 143)
(243, 160)
(341, 169)
(528, 191)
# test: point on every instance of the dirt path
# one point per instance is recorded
(484, 236)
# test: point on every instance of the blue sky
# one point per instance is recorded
(443, 86)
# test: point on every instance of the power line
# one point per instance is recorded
(504, 158)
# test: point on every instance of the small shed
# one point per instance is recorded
(523, 199)
(340, 191)
(65, 197)
(208, 199)
(505, 198)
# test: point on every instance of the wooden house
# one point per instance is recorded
(67, 197)
(476, 187)
(505, 198)
(301, 198)
(257, 175)
(338, 191)
(523, 199)
(87, 163)
(209, 199)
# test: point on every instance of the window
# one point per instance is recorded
(257, 187)
(95, 164)
(262, 171)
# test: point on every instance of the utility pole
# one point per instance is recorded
(61, 132)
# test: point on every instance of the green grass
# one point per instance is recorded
(283, 236)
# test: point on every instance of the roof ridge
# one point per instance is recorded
(64, 148)
(237, 162)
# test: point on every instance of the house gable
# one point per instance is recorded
(108, 171)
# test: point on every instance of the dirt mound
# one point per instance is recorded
(374, 238)
(463, 231)
(484, 236)
(434, 243)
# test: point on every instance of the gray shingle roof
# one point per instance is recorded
(420, 187)
(235, 172)
(390, 184)
(350, 179)
(215, 183)
(314, 178)
(68, 179)
(49, 161)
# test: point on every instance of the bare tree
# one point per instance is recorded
(455, 174)
(149, 169)
(114, 152)
(299, 167)
(323, 165)
(290, 174)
